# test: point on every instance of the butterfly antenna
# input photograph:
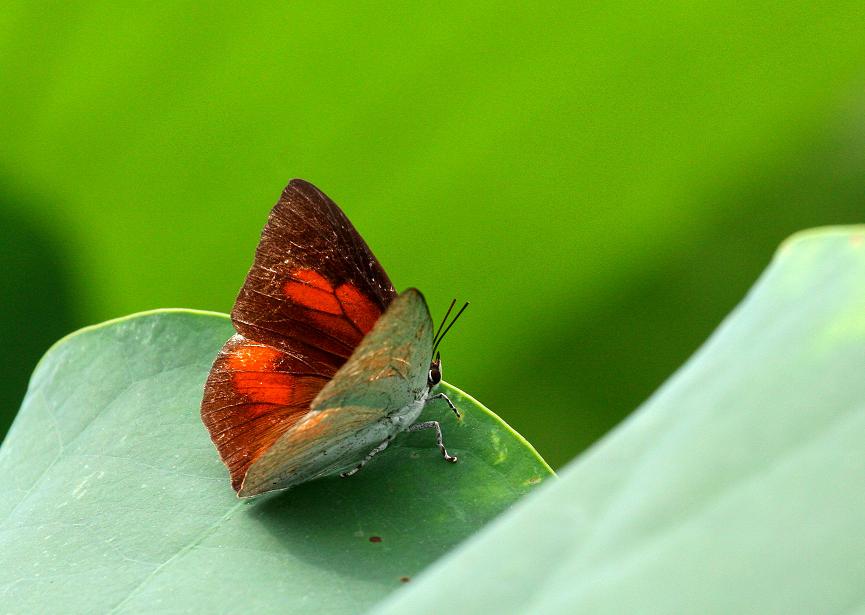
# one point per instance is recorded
(439, 341)
(444, 320)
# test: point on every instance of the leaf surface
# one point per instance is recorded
(737, 488)
(114, 500)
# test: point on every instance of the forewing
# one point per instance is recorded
(253, 395)
(315, 288)
(386, 372)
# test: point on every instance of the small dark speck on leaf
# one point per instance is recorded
(375, 538)
(404, 579)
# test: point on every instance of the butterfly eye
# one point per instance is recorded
(434, 377)
(435, 372)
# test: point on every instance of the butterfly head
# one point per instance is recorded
(435, 371)
(435, 367)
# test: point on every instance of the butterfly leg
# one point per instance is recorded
(449, 402)
(435, 425)
(371, 454)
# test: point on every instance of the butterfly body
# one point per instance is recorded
(329, 459)
(329, 363)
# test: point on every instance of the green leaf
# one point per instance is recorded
(113, 498)
(737, 488)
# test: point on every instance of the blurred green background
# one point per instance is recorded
(602, 181)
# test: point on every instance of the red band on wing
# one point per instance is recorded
(362, 312)
(253, 395)
(344, 315)
(337, 327)
(253, 357)
(253, 373)
(311, 290)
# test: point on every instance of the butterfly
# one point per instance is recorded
(329, 363)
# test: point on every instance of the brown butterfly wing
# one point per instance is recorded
(314, 290)
(253, 395)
